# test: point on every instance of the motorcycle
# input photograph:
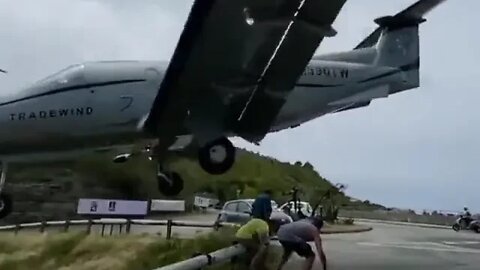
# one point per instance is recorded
(466, 223)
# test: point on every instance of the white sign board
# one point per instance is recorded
(112, 207)
(168, 205)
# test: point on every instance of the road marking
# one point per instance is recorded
(424, 246)
(461, 242)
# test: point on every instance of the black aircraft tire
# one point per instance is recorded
(456, 227)
(6, 205)
(170, 189)
(216, 168)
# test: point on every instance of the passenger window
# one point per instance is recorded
(243, 208)
(232, 207)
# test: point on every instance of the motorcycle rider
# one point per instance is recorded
(467, 216)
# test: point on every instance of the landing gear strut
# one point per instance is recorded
(217, 157)
(169, 183)
(5, 199)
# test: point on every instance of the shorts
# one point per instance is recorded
(303, 249)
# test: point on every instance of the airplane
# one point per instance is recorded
(240, 69)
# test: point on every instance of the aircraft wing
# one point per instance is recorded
(236, 62)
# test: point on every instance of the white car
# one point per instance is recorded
(239, 211)
(304, 207)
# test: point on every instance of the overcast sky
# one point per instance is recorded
(417, 149)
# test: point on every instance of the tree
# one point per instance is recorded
(329, 201)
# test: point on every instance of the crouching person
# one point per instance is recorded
(254, 237)
(295, 237)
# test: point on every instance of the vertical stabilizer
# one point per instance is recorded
(396, 41)
(399, 47)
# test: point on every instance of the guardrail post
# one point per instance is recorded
(128, 226)
(43, 224)
(111, 229)
(89, 226)
(67, 225)
(17, 228)
(169, 229)
(216, 226)
(103, 229)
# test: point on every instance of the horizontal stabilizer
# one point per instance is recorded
(413, 15)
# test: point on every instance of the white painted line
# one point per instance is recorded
(461, 242)
(419, 247)
(470, 242)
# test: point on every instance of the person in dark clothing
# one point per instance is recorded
(294, 237)
(262, 206)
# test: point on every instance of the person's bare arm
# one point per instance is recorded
(318, 245)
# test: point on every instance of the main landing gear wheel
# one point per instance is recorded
(217, 157)
(169, 184)
(5, 205)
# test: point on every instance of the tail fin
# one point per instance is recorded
(397, 41)
(398, 46)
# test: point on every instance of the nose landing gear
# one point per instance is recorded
(6, 202)
(169, 183)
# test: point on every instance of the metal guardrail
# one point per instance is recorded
(219, 256)
(121, 223)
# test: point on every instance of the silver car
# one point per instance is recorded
(239, 211)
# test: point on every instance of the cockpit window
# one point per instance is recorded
(65, 76)
(71, 76)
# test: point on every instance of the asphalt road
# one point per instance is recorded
(400, 247)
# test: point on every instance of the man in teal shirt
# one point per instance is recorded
(262, 206)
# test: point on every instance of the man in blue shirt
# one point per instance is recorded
(262, 206)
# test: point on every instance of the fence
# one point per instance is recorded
(124, 225)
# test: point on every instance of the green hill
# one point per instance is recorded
(251, 174)
(51, 192)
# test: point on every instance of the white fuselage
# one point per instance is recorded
(99, 105)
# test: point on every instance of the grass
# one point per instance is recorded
(79, 251)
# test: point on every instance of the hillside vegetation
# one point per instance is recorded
(51, 192)
(251, 174)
